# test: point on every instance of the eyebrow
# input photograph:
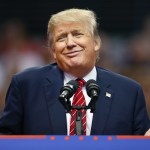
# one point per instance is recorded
(72, 31)
(60, 35)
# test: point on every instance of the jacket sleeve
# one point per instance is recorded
(12, 116)
(141, 119)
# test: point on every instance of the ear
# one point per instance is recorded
(97, 44)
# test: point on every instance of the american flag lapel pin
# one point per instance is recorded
(108, 95)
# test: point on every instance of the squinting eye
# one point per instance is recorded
(78, 35)
(61, 39)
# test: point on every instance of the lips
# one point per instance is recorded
(73, 53)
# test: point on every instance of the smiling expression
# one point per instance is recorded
(74, 48)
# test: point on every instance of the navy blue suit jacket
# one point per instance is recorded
(32, 105)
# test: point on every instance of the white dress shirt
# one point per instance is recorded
(89, 115)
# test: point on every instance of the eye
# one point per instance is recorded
(61, 39)
(78, 35)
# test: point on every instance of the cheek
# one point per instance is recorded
(59, 47)
(56, 50)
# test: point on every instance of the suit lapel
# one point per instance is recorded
(103, 105)
(57, 115)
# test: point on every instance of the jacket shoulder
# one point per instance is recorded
(35, 72)
(116, 78)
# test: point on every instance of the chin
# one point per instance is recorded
(75, 64)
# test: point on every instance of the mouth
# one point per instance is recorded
(73, 53)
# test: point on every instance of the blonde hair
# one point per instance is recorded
(73, 15)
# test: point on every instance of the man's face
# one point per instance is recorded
(74, 48)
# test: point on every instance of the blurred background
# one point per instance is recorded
(124, 30)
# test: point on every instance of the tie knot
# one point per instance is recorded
(81, 82)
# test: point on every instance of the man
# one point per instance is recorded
(32, 105)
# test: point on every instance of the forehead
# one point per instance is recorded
(69, 27)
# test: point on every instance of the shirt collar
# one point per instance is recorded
(91, 75)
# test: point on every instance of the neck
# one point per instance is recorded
(79, 73)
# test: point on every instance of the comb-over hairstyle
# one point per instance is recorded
(86, 17)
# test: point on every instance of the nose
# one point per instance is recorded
(70, 41)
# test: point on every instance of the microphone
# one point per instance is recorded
(93, 91)
(66, 92)
(69, 89)
(92, 88)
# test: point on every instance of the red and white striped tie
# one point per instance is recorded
(78, 100)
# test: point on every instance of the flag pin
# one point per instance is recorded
(108, 95)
